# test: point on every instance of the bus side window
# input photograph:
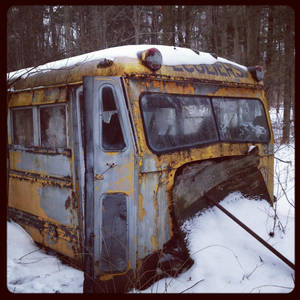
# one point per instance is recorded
(23, 127)
(112, 135)
(53, 126)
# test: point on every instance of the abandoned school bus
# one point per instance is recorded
(110, 152)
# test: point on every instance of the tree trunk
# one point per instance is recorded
(137, 21)
(289, 66)
(67, 23)
(253, 26)
(168, 25)
(236, 28)
(188, 20)
(103, 29)
(180, 24)
(154, 37)
(213, 23)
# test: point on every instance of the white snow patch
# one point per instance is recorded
(30, 270)
(251, 148)
(228, 259)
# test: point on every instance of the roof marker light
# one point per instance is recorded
(257, 72)
(104, 63)
(151, 58)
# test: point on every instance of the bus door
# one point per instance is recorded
(109, 168)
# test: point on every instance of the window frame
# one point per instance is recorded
(12, 133)
(185, 146)
(201, 145)
(239, 98)
(120, 117)
(37, 136)
(65, 105)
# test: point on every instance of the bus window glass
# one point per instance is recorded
(53, 126)
(112, 135)
(177, 121)
(114, 250)
(241, 120)
(23, 127)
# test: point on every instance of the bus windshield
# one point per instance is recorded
(174, 121)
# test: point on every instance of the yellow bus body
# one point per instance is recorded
(47, 186)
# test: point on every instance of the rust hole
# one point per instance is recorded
(67, 203)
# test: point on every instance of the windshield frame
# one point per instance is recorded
(205, 143)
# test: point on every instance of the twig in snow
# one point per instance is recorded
(36, 260)
(256, 267)
(191, 286)
(284, 161)
(287, 199)
(217, 245)
(28, 254)
(272, 285)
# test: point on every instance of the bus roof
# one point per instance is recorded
(177, 63)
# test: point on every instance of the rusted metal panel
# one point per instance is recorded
(216, 178)
(58, 204)
(109, 172)
(43, 208)
(43, 189)
(47, 199)
(38, 96)
(147, 241)
(64, 239)
(20, 99)
(45, 165)
(152, 166)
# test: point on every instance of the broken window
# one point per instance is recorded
(112, 135)
(177, 121)
(53, 126)
(241, 120)
(23, 127)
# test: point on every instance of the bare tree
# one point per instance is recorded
(249, 35)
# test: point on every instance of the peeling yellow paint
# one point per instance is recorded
(24, 195)
(42, 179)
(170, 162)
(38, 97)
(61, 244)
(15, 158)
(141, 210)
(20, 99)
(154, 242)
(155, 205)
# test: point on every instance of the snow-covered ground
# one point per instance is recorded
(30, 270)
(227, 258)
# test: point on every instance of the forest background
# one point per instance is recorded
(249, 35)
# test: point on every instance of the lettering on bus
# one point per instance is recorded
(217, 69)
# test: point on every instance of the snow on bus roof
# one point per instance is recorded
(171, 55)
